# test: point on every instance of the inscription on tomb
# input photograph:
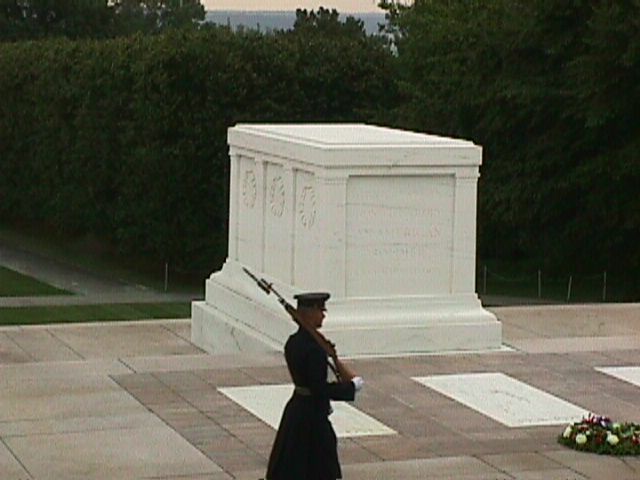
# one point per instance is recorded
(399, 240)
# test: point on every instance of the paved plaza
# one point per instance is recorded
(139, 401)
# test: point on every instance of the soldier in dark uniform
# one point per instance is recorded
(305, 447)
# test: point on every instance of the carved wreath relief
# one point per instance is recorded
(307, 210)
(276, 196)
(249, 188)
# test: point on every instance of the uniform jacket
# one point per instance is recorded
(305, 447)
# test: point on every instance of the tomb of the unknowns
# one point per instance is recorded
(383, 219)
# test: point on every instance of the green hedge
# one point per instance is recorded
(125, 139)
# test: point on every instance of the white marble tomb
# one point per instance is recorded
(267, 402)
(383, 219)
(505, 399)
(629, 374)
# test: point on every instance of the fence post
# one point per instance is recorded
(539, 283)
(569, 288)
(484, 281)
(166, 276)
(604, 287)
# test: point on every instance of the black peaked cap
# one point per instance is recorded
(312, 300)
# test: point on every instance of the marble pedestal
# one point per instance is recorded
(383, 219)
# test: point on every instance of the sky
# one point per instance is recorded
(342, 6)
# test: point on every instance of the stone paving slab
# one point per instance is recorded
(462, 467)
(596, 466)
(137, 400)
(42, 345)
(34, 399)
(578, 344)
(590, 320)
(10, 467)
(198, 361)
(441, 429)
(86, 423)
(123, 340)
(556, 474)
(109, 454)
(10, 351)
(521, 462)
(101, 366)
(209, 476)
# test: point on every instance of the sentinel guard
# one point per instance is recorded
(306, 445)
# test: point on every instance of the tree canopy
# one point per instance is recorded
(33, 19)
(551, 90)
(126, 139)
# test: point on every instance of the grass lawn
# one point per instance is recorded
(92, 256)
(93, 313)
(520, 280)
(14, 284)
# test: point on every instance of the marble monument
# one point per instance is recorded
(383, 219)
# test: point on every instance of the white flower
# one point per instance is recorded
(581, 439)
(612, 439)
(616, 426)
(567, 432)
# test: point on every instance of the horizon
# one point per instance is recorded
(283, 20)
(342, 6)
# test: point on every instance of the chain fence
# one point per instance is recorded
(597, 287)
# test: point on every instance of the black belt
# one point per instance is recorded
(304, 391)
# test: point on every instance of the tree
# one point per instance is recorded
(605, 77)
(33, 19)
(327, 22)
(153, 16)
(126, 139)
(549, 88)
(337, 63)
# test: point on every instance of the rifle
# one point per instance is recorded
(341, 371)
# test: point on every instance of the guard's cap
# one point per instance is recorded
(312, 300)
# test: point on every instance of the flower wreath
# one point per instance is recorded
(599, 434)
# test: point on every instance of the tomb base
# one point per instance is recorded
(236, 316)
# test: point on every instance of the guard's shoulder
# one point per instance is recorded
(302, 340)
(295, 340)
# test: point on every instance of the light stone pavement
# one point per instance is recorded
(138, 401)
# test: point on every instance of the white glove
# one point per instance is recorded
(358, 382)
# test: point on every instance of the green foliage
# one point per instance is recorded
(34, 19)
(93, 313)
(597, 434)
(327, 22)
(21, 19)
(152, 16)
(343, 65)
(605, 78)
(14, 284)
(549, 88)
(125, 139)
